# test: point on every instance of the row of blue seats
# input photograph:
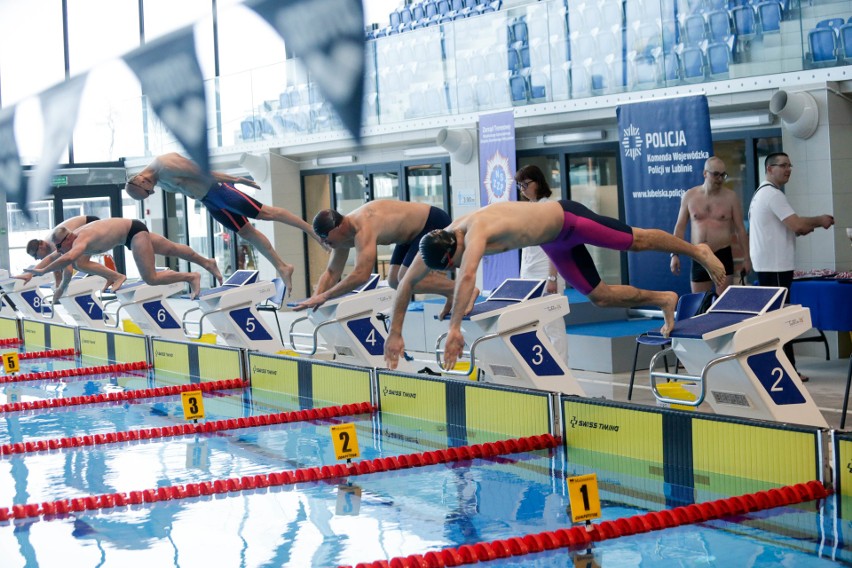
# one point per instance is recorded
(432, 12)
(830, 43)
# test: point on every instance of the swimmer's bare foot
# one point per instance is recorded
(287, 276)
(212, 267)
(712, 264)
(473, 298)
(115, 283)
(668, 306)
(194, 285)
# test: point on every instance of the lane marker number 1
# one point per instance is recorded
(583, 496)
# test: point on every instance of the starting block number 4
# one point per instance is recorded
(193, 405)
(11, 363)
(584, 499)
(345, 441)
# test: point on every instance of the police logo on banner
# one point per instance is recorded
(171, 78)
(11, 173)
(328, 36)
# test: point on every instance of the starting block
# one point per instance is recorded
(508, 342)
(350, 326)
(29, 297)
(232, 309)
(734, 352)
(82, 301)
(147, 307)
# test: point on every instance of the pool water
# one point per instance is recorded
(346, 521)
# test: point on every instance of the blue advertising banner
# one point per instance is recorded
(497, 175)
(665, 144)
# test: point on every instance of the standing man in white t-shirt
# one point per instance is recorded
(534, 262)
(773, 228)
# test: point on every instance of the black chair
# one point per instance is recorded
(688, 305)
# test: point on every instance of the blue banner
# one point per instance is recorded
(328, 36)
(171, 78)
(665, 144)
(12, 181)
(497, 175)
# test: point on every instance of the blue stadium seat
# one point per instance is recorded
(692, 63)
(671, 67)
(581, 83)
(770, 16)
(514, 60)
(833, 23)
(718, 60)
(518, 88)
(822, 43)
(719, 24)
(745, 23)
(518, 32)
(646, 72)
(247, 129)
(695, 29)
(395, 20)
(845, 38)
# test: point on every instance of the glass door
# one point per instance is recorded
(384, 185)
(103, 202)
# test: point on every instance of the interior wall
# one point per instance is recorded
(317, 198)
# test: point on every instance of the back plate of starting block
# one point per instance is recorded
(754, 300)
(518, 290)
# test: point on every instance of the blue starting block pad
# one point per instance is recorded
(510, 292)
(506, 338)
(371, 284)
(734, 359)
(238, 279)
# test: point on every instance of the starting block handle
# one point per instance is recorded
(106, 315)
(477, 341)
(700, 379)
(315, 334)
(41, 306)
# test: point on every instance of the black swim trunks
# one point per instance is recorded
(136, 226)
(725, 255)
(404, 253)
(92, 219)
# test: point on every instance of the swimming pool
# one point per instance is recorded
(338, 521)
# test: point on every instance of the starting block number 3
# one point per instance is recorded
(584, 499)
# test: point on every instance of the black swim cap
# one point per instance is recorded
(437, 248)
(326, 221)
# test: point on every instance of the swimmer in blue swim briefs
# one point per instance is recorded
(228, 205)
(562, 229)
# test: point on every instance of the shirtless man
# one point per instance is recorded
(562, 229)
(104, 235)
(45, 252)
(228, 205)
(380, 222)
(717, 215)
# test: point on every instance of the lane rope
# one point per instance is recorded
(580, 537)
(260, 481)
(75, 372)
(123, 396)
(186, 429)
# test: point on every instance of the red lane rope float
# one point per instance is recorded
(77, 372)
(10, 341)
(48, 353)
(251, 482)
(578, 536)
(182, 429)
(125, 395)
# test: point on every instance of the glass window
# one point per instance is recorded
(22, 230)
(348, 196)
(44, 63)
(426, 184)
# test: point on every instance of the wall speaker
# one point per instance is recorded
(798, 111)
(458, 142)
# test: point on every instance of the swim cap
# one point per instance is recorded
(437, 248)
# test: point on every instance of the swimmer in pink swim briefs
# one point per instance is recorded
(562, 229)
